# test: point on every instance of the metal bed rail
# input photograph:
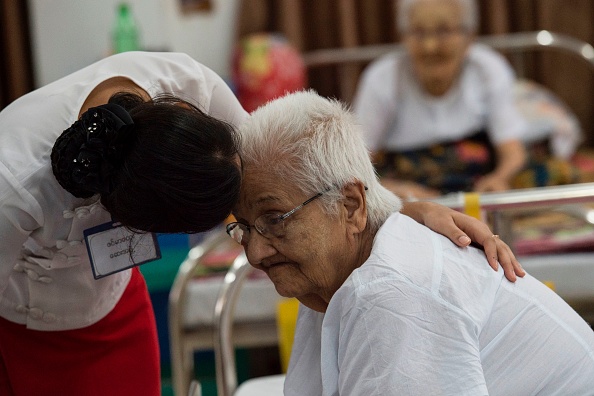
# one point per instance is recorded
(524, 198)
(501, 204)
(509, 42)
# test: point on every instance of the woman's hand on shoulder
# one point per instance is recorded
(462, 230)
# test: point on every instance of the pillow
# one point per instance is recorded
(548, 118)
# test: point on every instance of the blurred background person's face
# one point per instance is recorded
(437, 43)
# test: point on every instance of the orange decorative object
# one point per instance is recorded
(265, 66)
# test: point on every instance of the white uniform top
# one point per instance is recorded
(46, 280)
(397, 114)
(424, 317)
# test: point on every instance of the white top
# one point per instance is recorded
(46, 280)
(424, 317)
(397, 114)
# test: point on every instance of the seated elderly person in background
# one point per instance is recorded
(389, 306)
(441, 115)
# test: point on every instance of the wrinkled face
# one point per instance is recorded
(309, 258)
(437, 43)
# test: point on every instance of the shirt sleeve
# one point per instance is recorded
(224, 104)
(373, 103)
(397, 339)
(183, 76)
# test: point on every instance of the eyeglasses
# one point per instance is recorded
(269, 225)
(441, 34)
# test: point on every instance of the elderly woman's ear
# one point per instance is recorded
(355, 206)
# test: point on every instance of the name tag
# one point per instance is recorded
(113, 248)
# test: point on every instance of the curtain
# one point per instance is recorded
(16, 74)
(316, 24)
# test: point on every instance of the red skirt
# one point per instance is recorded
(119, 355)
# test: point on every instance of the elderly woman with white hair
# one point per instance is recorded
(441, 115)
(389, 307)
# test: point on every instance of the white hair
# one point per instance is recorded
(470, 18)
(315, 144)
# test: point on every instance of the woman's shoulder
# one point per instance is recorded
(487, 59)
(385, 64)
(403, 251)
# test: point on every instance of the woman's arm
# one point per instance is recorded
(462, 230)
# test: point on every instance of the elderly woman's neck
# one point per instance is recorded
(365, 246)
(354, 258)
(438, 88)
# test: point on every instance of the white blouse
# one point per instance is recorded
(46, 281)
(397, 114)
(424, 317)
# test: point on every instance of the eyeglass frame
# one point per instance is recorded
(231, 226)
(441, 34)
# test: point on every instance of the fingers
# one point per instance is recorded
(490, 248)
(473, 229)
(463, 240)
(449, 228)
(499, 253)
(453, 232)
(453, 225)
(509, 273)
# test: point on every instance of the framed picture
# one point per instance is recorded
(196, 5)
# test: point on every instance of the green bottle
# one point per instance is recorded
(125, 32)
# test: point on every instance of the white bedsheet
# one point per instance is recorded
(257, 301)
(572, 274)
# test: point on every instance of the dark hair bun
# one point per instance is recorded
(86, 155)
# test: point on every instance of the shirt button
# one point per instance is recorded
(49, 317)
(21, 309)
(81, 213)
(68, 214)
(35, 313)
(32, 275)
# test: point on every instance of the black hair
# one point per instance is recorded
(179, 172)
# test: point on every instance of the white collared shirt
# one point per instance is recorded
(424, 317)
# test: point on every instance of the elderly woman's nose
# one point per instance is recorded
(258, 249)
(429, 43)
